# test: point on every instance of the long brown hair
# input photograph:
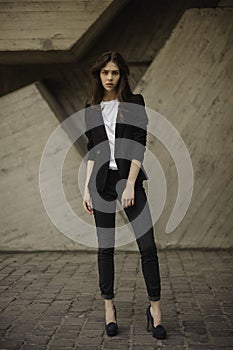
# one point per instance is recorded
(123, 88)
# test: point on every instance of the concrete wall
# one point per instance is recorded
(46, 25)
(190, 83)
(52, 31)
(26, 124)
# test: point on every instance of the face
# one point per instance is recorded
(109, 76)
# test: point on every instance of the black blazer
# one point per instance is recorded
(131, 124)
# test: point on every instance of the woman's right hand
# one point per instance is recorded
(87, 205)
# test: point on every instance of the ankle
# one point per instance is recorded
(156, 314)
(109, 304)
(155, 306)
(110, 315)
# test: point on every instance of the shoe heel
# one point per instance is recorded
(148, 321)
(148, 325)
(115, 313)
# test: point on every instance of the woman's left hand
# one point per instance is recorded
(127, 198)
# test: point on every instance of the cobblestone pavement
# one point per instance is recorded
(51, 300)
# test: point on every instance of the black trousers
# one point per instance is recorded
(104, 215)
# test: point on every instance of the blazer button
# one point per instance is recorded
(98, 151)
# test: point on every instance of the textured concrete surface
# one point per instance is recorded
(190, 84)
(51, 301)
(46, 25)
(199, 106)
(53, 31)
(27, 122)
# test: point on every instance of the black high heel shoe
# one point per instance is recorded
(111, 327)
(159, 331)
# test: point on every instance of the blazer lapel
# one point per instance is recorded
(100, 124)
(119, 130)
(120, 121)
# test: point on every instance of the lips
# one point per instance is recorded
(109, 84)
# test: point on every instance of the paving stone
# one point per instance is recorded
(37, 339)
(143, 347)
(10, 344)
(83, 347)
(60, 342)
(32, 347)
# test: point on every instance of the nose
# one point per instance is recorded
(109, 76)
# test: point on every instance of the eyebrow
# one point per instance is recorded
(107, 70)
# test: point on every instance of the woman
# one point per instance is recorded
(111, 160)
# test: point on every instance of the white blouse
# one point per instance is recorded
(109, 112)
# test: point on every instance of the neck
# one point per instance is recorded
(109, 96)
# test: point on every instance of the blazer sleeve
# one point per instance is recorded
(139, 129)
(88, 133)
